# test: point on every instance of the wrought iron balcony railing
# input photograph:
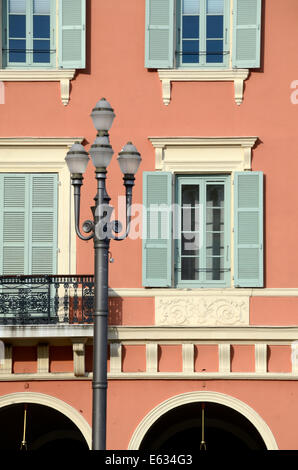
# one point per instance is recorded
(46, 299)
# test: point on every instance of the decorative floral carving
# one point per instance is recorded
(201, 311)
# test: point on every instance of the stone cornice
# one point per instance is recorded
(146, 334)
(63, 142)
(41, 75)
(200, 75)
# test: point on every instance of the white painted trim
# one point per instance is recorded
(203, 154)
(233, 292)
(146, 334)
(43, 75)
(47, 155)
(224, 356)
(39, 142)
(115, 358)
(151, 358)
(202, 75)
(78, 348)
(193, 397)
(261, 358)
(6, 368)
(52, 402)
(43, 358)
(188, 358)
(181, 376)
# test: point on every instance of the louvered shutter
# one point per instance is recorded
(159, 34)
(72, 34)
(157, 229)
(248, 229)
(43, 229)
(28, 223)
(246, 33)
(14, 217)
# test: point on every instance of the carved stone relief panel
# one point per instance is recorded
(202, 310)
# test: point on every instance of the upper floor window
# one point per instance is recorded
(202, 27)
(30, 33)
(28, 229)
(203, 242)
(35, 35)
(199, 33)
(191, 238)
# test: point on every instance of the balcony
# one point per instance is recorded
(46, 299)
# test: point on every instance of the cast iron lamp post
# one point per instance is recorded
(102, 230)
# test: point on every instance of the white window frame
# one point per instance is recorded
(205, 155)
(63, 76)
(47, 155)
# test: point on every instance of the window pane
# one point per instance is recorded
(190, 52)
(42, 6)
(191, 7)
(190, 194)
(41, 27)
(190, 269)
(215, 195)
(190, 244)
(215, 6)
(17, 26)
(215, 220)
(17, 50)
(214, 51)
(215, 270)
(190, 218)
(41, 52)
(190, 27)
(215, 242)
(17, 6)
(214, 27)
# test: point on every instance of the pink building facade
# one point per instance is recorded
(203, 319)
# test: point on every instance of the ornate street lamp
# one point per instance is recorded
(102, 230)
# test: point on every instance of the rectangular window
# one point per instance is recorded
(28, 223)
(203, 244)
(202, 32)
(29, 33)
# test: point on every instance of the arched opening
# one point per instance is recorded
(46, 429)
(223, 428)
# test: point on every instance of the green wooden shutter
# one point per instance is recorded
(157, 229)
(248, 229)
(43, 226)
(246, 33)
(72, 34)
(159, 34)
(28, 223)
(14, 218)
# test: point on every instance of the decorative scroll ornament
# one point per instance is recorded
(202, 311)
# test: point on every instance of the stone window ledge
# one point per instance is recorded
(206, 75)
(41, 75)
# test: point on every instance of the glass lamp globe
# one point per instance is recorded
(101, 152)
(102, 115)
(77, 159)
(129, 159)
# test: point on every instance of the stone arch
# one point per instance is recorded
(50, 402)
(203, 396)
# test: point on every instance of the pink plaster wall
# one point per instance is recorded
(274, 401)
(115, 69)
(206, 358)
